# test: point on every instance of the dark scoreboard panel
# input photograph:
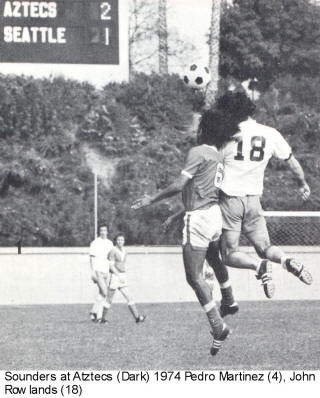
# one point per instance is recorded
(61, 31)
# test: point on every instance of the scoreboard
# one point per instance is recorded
(61, 31)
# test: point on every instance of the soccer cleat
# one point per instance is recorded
(102, 321)
(299, 270)
(218, 340)
(141, 318)
(228, 309)
(265, 275)
(93, 317)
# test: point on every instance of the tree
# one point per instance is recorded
(163, 37)
(259, 40)
(142, 36)
(144, 43)
(214, 51)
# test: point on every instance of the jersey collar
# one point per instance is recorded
(246, 122)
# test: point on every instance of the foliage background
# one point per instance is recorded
(54, 133)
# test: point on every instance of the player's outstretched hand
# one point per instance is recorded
(142, 202)
(305, 191)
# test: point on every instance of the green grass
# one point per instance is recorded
(266, 335)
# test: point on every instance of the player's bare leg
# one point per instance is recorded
(106, 305)
(264, 249)
(193, 264)
(228, 303)
(103, 290)
(232, 257)
(95, 307)
(131, 305)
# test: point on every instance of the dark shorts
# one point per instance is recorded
(243, 213)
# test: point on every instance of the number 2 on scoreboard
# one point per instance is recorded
(105, 9)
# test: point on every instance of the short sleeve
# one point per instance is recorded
(93, 249)
(192, 163)
(281, 149)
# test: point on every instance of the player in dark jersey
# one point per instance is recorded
(199, 183)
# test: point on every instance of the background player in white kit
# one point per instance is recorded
(99, 252)
(245, 159)
(118, 279)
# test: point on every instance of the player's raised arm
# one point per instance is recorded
(171, 190)
(297, 170)
(191, 165)
(283, 151)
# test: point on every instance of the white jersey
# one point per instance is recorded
(247, 155)
(99, 251)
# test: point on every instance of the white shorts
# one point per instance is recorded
(115, 282)
(202, 227)
(100, 265)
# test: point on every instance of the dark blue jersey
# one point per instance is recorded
(205, 169)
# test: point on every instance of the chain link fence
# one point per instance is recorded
(292, 228)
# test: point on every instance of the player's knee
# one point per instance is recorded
(262, 247)
(228, 247)
(227, 252)
(195, 281)
(190, 277)
(270, 251)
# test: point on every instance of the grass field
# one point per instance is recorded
(266, 335)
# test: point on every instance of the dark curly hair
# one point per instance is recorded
(236, 106)
(216, 129)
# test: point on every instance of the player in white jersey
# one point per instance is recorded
(99, 252)
(245, 159)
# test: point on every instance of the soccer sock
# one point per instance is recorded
(96, 304)
(133, 309)
(258, 267)
(103, 309)
(284, 261)
(214, 318)
(226, 292)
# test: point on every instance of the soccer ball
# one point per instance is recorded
(197, 76)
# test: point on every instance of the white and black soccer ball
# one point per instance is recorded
(197, 76)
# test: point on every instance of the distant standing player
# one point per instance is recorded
(199, 182)
(99, 251)
(245, 159)
(118, 279)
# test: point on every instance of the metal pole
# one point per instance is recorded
(95, 205)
